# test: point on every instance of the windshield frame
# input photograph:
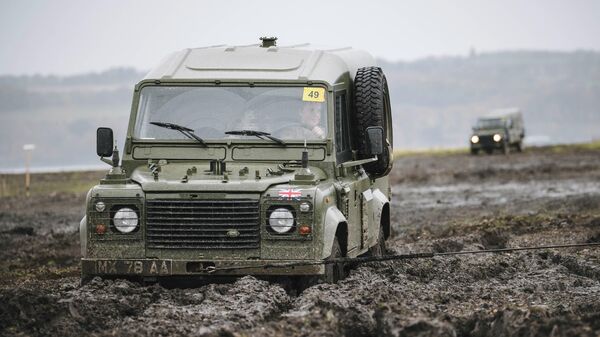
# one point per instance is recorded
(228, 83)
(490, 126)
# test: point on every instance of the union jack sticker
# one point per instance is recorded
(290, 193)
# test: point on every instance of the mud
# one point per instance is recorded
(441, 204)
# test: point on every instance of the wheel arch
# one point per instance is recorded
(83, 235)
(335, 225)
(382, 212)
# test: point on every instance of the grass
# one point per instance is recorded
(435, 152)
(13, 185)
(590, 146)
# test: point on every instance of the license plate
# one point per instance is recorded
(134, 267)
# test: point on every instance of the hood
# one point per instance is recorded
(488, 132)
(239, 177)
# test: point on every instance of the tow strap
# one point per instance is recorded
(408, 256)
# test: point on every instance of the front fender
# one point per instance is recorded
(333, 217)
(83, 235)
(379, 202)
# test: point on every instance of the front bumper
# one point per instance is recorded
(487, 143)
(165, 267)
(478, 146)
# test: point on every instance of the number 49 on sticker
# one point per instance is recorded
(313, 94)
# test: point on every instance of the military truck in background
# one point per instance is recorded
(239, 158)
(502, 129)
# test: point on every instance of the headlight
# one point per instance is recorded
(125, 220)
(475, 139)
(497, 138)
(281, 220)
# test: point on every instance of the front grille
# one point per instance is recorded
(202, 224)
(487, 140)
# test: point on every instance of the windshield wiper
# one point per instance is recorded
(259, 134)
(185, 131)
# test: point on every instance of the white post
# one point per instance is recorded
(28, 148)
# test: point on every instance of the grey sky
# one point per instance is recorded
(73, 36)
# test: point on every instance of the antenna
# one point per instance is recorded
(305, 156)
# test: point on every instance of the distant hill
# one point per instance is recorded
(435, 101)
(60, 115)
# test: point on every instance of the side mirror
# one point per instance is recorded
(104, 142)
(375, 140)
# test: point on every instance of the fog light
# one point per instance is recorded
(304, 230)
(100, 206)
(304, 207)
(100, 228)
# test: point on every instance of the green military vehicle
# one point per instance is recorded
(502, 129)
(260, 160)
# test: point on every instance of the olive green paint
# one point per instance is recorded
(338, 195)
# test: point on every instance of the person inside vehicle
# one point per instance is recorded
(309, 126)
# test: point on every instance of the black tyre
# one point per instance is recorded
(334, 271)
(371, 101)
(506, 148)
(520, 146)
(379, 249)
(85, 279)
(474, 151)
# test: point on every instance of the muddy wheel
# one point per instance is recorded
(85, 279)
(379, 249)
(334, 271)
(506, 148)
(371, 100)
(519, 146)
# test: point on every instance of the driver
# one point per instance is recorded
(310, 115)
(310, 123)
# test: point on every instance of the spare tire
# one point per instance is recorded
(372, 108)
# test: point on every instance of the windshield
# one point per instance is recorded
(288, 113)
(493, 123)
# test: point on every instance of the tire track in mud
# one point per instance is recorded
(540, 293)
(120, 307)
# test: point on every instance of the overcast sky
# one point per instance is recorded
(73, 36)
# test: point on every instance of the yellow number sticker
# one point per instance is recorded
(314, 95)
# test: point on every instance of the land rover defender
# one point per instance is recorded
(502, 129)
(240, 159)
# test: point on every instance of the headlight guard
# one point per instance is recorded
(125, 219)
(281, 220)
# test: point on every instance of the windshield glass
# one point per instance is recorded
(288, 113)
(494, 123)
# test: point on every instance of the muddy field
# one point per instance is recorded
(441, 203)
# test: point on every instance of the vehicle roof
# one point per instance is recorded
(253, 62)
(503, 113)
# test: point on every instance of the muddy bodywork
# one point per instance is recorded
(244, 179)
(502, 129)
(441, 203)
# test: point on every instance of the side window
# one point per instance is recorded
(342, 128)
